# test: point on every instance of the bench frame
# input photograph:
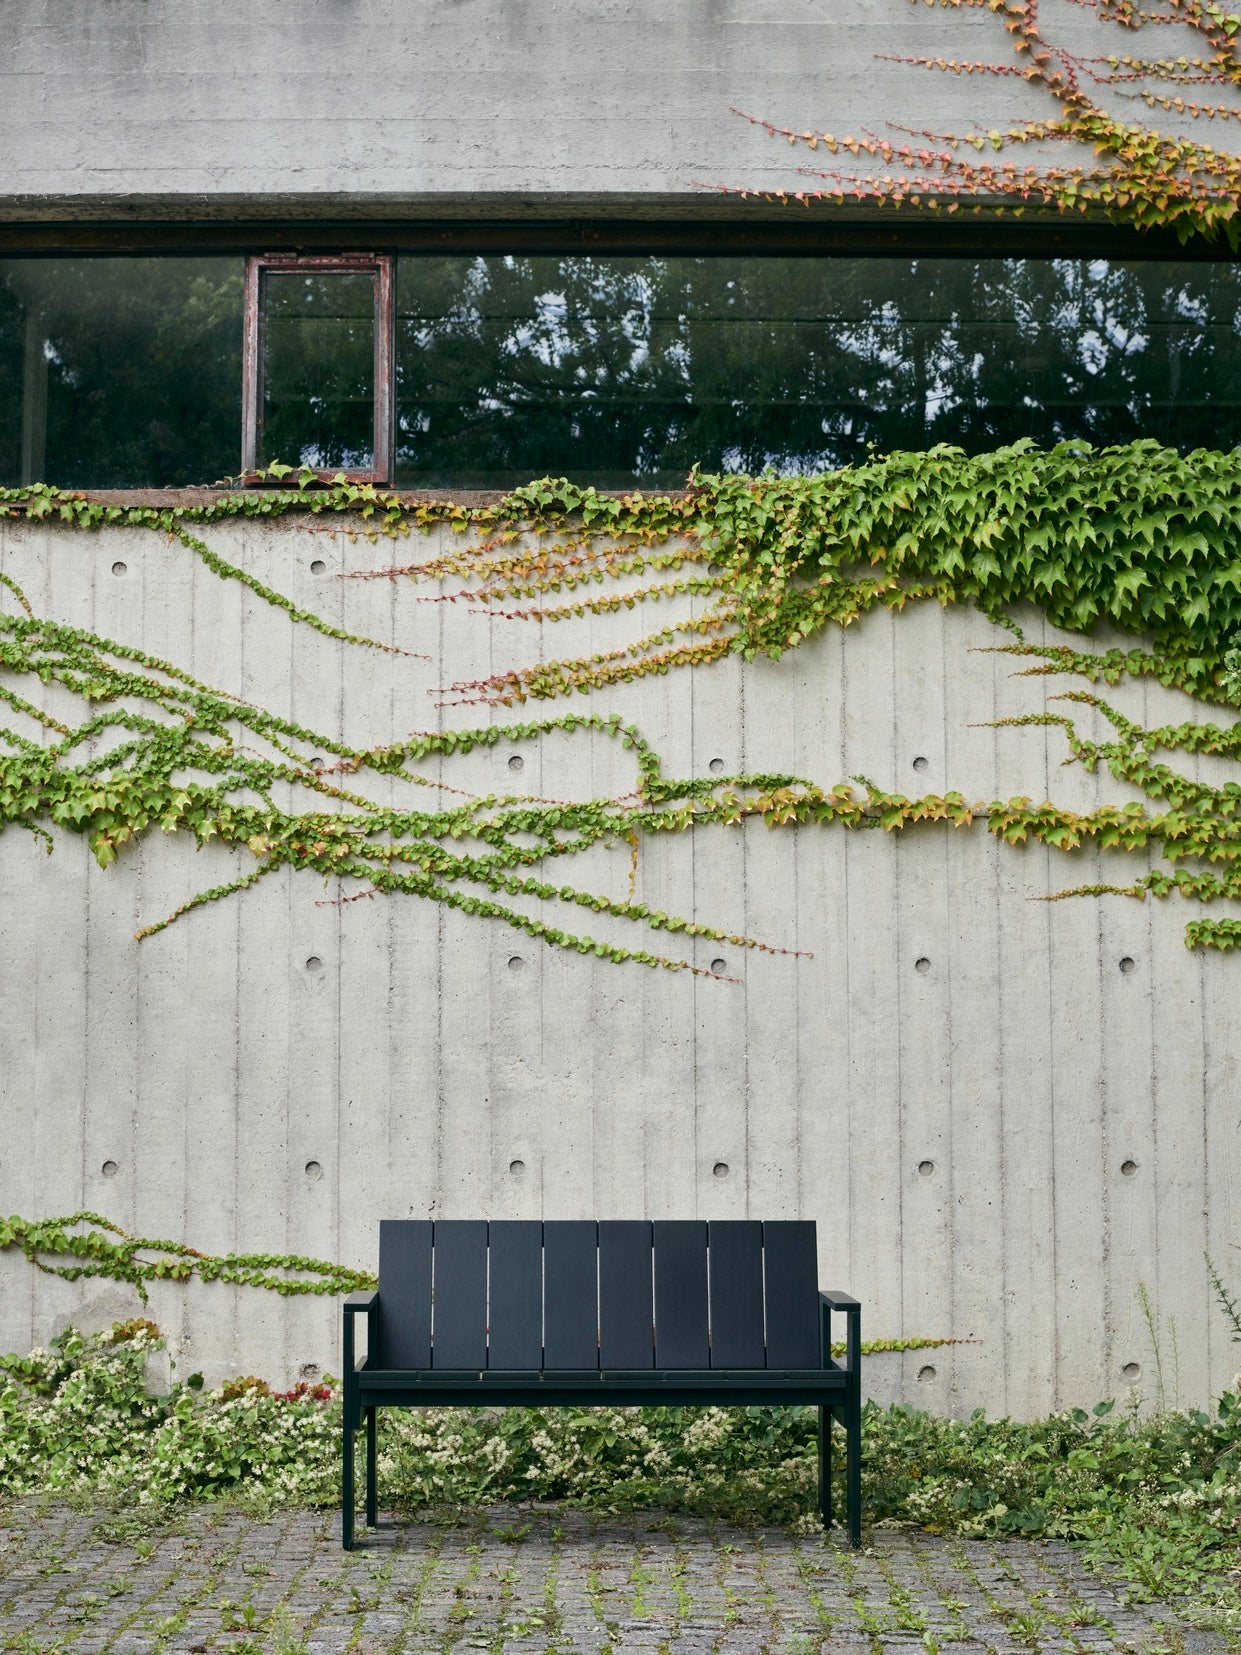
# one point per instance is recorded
(835, 1389)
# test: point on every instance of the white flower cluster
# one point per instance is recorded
(79, 1416)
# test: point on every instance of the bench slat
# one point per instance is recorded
(626, 1309)
(736, 1275)
(790, 1270)
(570, 1295)
(459, 1313)
(515, 1303)
(404, 1293)
(681, 1294)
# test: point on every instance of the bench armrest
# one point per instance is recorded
(840, 1301)
(357, 1304)
(846, 1305)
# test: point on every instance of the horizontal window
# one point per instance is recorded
(625, 371)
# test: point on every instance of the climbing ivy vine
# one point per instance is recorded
(1137, 536)
(1138, 173)
(86, 1246)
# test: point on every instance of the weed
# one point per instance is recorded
(1223, 1298)
(239, 1617)
(283, 1636)
(639, 1578)
(1026, 1629)
(530, 1621)
(86, 1608)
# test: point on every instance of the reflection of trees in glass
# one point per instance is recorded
(120, 372)
(13, 334)
(319, 369)
(631, 370)
(618, 371)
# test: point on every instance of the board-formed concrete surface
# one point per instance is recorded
(482, 108)
(544, 1582)
(1006, 1115)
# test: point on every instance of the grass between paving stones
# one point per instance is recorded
(1157, 1499)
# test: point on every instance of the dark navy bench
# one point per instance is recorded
(478, 1314)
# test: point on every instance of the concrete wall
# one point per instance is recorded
(429, 1054)
(138, 108)
(958, 1131)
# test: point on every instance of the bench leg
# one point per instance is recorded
(346, 1484)
(825, 1466)
(853, 1469)
(372, 1491)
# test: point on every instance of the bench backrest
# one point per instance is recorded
(567, 1296)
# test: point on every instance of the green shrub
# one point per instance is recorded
(1158, 1497)
(79, 1417)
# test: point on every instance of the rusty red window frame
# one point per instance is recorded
(380, 266)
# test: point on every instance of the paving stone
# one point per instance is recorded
(206, 1580)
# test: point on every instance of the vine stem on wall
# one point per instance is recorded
(1137, 173)
(1137, 535)
(85, 1246)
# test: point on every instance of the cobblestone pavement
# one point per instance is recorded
(527, 1582)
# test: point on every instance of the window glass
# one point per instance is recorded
(318, 369)
(623, 371)
(627, 371)
(120, 372)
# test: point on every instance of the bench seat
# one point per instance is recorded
(726, 1388)
(771, 1379)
